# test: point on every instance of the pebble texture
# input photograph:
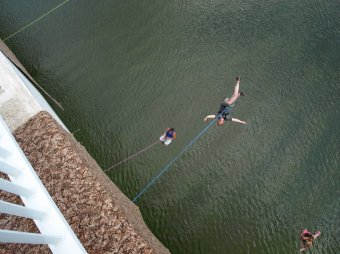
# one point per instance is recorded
(102, 217)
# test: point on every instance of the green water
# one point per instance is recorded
(126, 70)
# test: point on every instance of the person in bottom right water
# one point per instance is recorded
(307, 239)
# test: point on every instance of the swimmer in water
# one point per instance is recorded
(307, 239)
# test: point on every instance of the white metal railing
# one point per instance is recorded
(39, 206)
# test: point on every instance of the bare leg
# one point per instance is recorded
(236, 93)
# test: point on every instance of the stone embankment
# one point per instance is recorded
(102, 217)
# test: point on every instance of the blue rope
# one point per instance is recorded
(173, 161)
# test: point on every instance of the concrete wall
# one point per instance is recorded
(19, 100)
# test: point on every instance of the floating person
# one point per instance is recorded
(307, 239)
(168, 136)
(226, 106)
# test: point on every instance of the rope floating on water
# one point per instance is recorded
(42, 16)
(167, 167)
(130, 157)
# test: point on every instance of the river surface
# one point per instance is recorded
(125, 70)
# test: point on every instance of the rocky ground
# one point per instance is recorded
(102, 217)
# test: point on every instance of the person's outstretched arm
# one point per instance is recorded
(238, 121)
(209, 117)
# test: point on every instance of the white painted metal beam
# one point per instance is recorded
(15, 188)
(9, 170)
(8, 236)
(18, 210)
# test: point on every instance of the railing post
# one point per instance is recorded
(18, 210)
(15, 188)
(9, 236)
(9, 170)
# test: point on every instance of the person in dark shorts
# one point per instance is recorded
(226, 107)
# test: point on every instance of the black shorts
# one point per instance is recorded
(225, 108)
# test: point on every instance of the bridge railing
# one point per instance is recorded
(38, 204)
